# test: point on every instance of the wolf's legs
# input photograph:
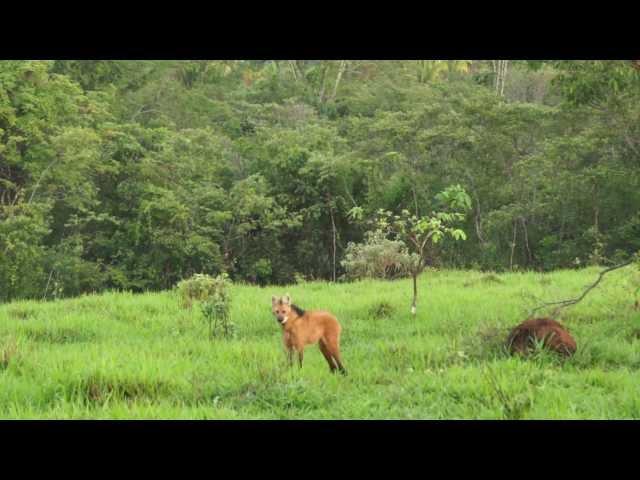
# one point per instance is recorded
(332, 344)
(290, 356)
(327, 355)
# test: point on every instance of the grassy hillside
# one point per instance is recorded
(120, 355)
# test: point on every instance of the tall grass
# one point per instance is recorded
(119, 355)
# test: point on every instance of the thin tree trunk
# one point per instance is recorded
(504, 78)
(415, 293)
(500, 69)
(292, 66)
(323, 83)
(596, 210)
(596, 225)
(421, 70)
(44, 296)
(478, 230)
(526, 239)
(341, 70)
(333, 227)
(513, 245)
(478, 211)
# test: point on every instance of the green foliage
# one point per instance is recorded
(136, 174)
(376, 257)
(22, 251)
(214, 300)
(420, 233)
(198, 288)
(596, 81)
(216, 307)
(414, 238)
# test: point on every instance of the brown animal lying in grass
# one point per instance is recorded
(555, 337)
(300, 328)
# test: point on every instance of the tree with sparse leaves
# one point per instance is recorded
(420, 234)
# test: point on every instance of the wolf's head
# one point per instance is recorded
(281, 308)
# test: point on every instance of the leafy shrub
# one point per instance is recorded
(377, 257)
(199, 287)
(215, 301)
(216, 314)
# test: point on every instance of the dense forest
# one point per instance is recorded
(135, 174)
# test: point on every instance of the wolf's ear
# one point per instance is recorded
(286, 299)
(274, 300)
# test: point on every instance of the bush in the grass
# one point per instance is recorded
(216, 313)
(378, 257)
(199, 287)
(215, 301)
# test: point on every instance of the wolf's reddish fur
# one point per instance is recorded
(554, 336)
(300, 328)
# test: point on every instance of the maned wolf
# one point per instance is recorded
(300, 328)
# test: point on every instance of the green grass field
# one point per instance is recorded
(125, 356)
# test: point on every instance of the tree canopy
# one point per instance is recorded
(136, 174)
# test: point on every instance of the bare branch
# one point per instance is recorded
(35, 189)
(573, 301)
(414, 240)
